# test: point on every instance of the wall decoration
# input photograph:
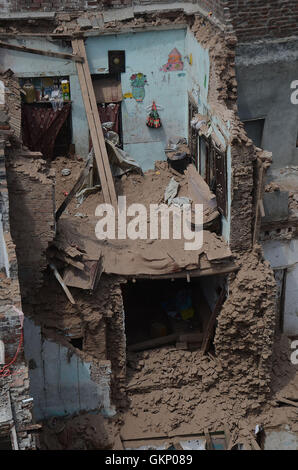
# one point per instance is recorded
(153, 120)
(127, 95)
(174, 63)
(138, 82)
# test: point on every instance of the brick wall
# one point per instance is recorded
(14, 381)
(255, 19)
(251, 19)
(57, 5)
(32, 222)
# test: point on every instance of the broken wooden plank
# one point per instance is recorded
(60, 280)
(30, 427)
(101, 156)
(163, 340)
(287, 402)
(76, 187)
(30, 50)
(211, 323)
(154, 343)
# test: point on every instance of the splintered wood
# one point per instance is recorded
(101, 156)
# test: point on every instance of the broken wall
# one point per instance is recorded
(61, 382)
(90, 378)
(15, 401)
(32, 221)
(215, 91)
(245, 330)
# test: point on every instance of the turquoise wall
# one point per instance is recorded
(146, 53)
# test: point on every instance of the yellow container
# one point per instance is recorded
(30, 93)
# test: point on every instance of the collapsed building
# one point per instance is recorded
(143, 341)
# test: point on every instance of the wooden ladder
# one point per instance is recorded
(100, 152)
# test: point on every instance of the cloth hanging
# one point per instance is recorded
(40, 127)
(110, 113)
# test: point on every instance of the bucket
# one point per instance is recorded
(178, 161)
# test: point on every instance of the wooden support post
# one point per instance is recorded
(259, 204)
(208, 439)
(101, 156)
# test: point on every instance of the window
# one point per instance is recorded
(192, 133)
(254, 129)
(213, 168)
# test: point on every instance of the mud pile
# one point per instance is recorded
(82, 432)
(245, 331)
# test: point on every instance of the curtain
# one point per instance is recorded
(40, 127)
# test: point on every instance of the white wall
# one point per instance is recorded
(284, 254)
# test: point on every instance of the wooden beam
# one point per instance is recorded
(100, 151)
(30, 50)
(259, 206)
(183, 274)
(30, 427)
(287, 402)
(163, 340)
(208, 439)
(64, 287)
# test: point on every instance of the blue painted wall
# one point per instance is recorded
(146, 53)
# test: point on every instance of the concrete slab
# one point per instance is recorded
(39, 15)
